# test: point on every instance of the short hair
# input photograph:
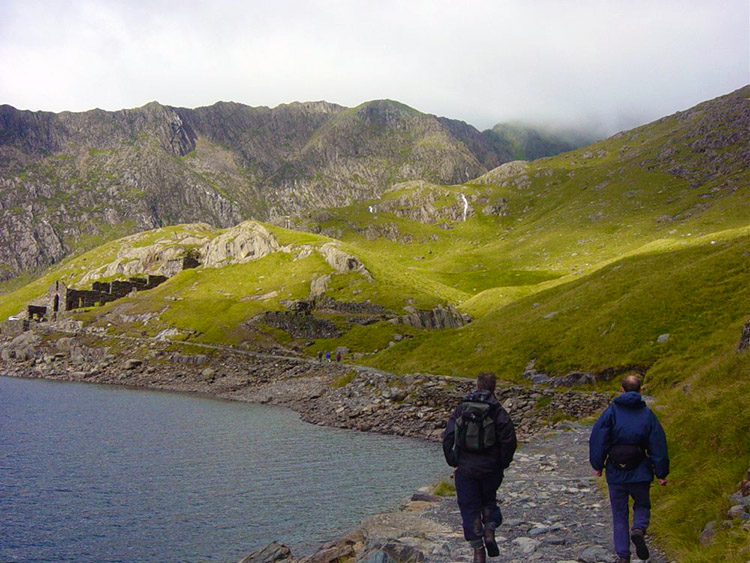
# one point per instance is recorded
(631, 382)
(486, 381)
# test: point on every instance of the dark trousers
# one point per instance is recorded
(619, 497)
(477, 500)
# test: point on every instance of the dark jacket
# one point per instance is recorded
(496, 458)
(629, 421)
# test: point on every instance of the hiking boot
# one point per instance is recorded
(641, 549)
(489, 540)
(479, 555)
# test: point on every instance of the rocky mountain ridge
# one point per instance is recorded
(72, 180)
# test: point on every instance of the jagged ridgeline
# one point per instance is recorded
(70, 181)
(629, 254)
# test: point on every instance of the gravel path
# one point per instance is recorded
(553, 509)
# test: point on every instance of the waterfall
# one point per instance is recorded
(466, 205)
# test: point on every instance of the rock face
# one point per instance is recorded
(245, 242)
(437, 318)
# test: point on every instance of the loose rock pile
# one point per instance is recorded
(419, 405)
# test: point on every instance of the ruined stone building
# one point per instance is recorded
(61, 298)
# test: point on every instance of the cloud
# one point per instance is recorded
(604, 64)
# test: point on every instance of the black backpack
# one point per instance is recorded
(475, 426)
(624, 457)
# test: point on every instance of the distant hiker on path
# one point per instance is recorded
(630, 443)
(320, 355)
(479, 441)
(338, 356)
(328, 356)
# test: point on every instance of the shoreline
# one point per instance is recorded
(336, 395)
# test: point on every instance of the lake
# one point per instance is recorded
(98, 473)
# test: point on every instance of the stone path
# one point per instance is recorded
(553, 508)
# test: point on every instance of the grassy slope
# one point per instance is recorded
(601, 251)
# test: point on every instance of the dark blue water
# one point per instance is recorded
(96, 473)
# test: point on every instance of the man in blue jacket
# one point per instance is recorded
(479, 441)
(630, 443)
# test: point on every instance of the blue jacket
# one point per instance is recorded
(629, 421)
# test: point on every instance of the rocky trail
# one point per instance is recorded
(553, 508)
(554, 511)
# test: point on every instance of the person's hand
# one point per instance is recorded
(598, 472)
(662, 482)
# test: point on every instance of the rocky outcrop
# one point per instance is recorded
(245, 242)
(21, 348)
(499, 208)
(426, 203)
(367, 308)
(319, 285)
(437, 318)
(165, 256)
(298, 324)
(274, 552)
(576, 378)
(340, 261)
(508, 174)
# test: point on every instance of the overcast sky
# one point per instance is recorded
(599, 63)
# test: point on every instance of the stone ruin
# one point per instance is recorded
(61, 298)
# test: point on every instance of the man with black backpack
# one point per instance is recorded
(630, 443)
(479, 441)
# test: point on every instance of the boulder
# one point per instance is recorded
(392, 552)
(527, 545)
(595, 554)
(736, 511)
(708, 533)
(340, 261)
(26, 339)
(272, 553)
(246, 242)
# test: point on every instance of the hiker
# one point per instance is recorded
(338, 356)
(320, 355)
(630, 443)
(328, 356)
(479, 441)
